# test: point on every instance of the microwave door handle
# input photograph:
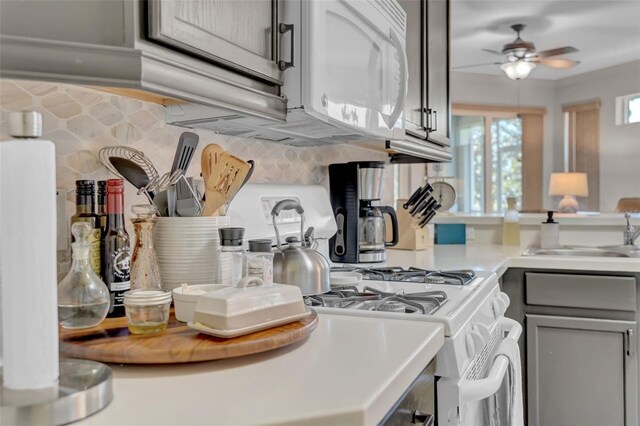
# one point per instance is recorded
(402, 94)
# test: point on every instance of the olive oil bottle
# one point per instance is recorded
(86, 212)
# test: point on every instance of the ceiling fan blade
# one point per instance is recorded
(558, 63)
(556, 52)
(476, 65)
(492, 51)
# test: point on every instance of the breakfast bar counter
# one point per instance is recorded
(351, 370)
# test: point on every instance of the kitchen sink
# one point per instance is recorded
(610, 251)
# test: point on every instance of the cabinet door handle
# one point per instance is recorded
(282, 64)
(435, 121)
(424, 419)
(427, 118)
(630, 342)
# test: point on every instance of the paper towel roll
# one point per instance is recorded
(28, 264)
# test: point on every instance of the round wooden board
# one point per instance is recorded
(112, 342)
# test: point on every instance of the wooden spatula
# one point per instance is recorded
(210, 157)
(225, 178)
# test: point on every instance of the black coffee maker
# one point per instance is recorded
(355, 187)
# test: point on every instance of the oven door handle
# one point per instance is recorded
(474, 390)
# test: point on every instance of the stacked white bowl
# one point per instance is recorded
(187, 249)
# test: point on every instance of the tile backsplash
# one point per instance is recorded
(81, 120)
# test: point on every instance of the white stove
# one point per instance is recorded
(471, 309)
(454, 310)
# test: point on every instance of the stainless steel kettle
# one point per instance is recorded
(298, 263)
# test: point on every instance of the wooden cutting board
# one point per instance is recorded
(111, 342)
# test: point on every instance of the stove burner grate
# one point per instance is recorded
(425, 303)
(457, 277)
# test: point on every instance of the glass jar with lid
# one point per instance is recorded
(147, 310)
(258, 261)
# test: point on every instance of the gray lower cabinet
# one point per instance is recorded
(581, 371)
(579, 349)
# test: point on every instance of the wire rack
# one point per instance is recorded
(129, 154)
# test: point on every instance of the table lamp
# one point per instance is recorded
(570, 185)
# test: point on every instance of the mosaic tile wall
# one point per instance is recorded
(80, 121)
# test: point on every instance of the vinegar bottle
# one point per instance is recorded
(117, 253)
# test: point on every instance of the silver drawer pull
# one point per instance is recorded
(630, 342)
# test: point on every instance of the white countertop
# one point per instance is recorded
(351, 370)
(497, 258)
(616, 220)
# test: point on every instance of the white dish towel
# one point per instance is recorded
(504, 408)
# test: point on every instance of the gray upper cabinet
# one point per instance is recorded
(438, 102)
(415, 102)
(581, 371)
(218, 53)
(427, 106)
(237, 34)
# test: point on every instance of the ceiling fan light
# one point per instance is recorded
(518, 70)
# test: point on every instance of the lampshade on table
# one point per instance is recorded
(570, 185)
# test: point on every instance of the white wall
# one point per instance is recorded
(619, 145)
(487, 89)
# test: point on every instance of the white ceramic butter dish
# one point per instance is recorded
(186, 296)
(246, 330)
(249, 304)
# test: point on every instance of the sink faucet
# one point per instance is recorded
(630, 233)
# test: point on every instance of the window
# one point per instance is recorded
(489, 145)
(582, 146)
(628, 109)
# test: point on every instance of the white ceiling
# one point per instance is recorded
(606, 32)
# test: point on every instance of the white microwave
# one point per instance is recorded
(348, 81)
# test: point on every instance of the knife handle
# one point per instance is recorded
(419, 201)
(413, 197)
(427, 218)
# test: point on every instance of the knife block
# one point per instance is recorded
(411, 236)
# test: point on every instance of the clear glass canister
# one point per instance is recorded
(145, 272)
(258, 261)
(147, 310)
(231, 256)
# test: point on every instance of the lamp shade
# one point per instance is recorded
(518, 70)
(569, 184)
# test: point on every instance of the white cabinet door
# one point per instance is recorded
(240, 34)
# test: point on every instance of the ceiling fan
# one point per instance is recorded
(522, 58)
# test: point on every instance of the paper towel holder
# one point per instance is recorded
(84, 388)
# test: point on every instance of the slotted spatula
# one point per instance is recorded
(226, 176)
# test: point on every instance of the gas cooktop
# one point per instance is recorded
(372, 299)
(415, 275)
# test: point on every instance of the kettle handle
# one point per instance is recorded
(287, 204)
(394, 225)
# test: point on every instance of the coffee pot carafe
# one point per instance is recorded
(372, 228)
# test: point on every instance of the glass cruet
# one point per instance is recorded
(145, 273)
(83, 298)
